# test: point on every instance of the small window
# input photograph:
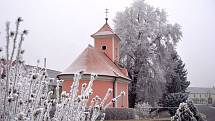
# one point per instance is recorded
(122, 101)
(103, 47)
(116, 52)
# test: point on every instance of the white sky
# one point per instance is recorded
(60, 29)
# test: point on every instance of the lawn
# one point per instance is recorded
(160, 119)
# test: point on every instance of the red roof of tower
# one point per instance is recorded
(94, 61)
(105, 30)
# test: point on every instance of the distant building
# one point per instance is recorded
(103, 60)
(200, 95)
(51, 73)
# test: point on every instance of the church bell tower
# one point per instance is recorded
(107, 41)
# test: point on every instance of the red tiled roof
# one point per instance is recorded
(94, 61)
(105, 30)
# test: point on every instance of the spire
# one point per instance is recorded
(106, 15)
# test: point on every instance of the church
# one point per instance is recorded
(103, 60)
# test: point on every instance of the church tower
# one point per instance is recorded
(107, 41)
(102, 59)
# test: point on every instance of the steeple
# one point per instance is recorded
(107, 41)
(106, 15)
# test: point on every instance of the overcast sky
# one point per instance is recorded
(60, 30)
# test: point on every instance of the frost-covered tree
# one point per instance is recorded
(176, 85)
(177, 79)
(183, 113)
(195, 111)
(147, 41)
(187, 112)
(143, 110)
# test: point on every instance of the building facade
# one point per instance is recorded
(200, 95)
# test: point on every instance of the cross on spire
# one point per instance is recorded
(106, 15)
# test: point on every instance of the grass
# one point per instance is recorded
(159, 119)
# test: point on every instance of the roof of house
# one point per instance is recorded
(51, 73)
(105, 30)
(201, 90)
(93, 61)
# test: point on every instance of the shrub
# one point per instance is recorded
(195, 111)
(143, 110)
(173, 100)
(183, 113)
(187, 112)
(119, 113)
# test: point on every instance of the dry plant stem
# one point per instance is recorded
(29, 93)
(14, 46)
(9, 60)
(14, 39)
(18, 59)
(19, 92)
(7, 67)
(106, 97)
(17, 62)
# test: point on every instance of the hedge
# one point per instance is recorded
(119, 114)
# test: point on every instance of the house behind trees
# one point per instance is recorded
(200, 95)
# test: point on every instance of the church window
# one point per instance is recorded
(104, 47)
(116, 52)
(122, 98)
